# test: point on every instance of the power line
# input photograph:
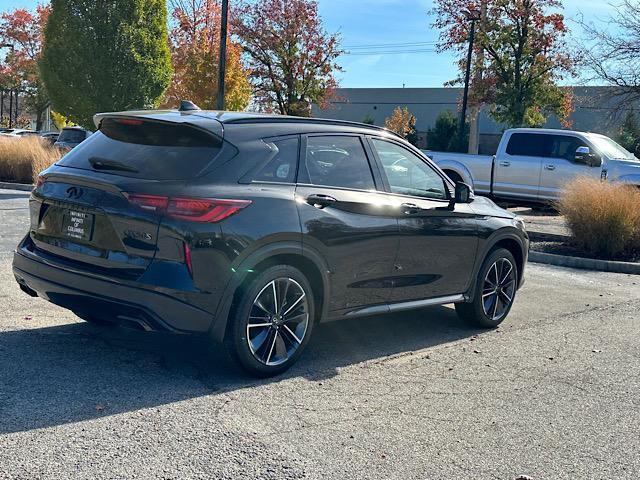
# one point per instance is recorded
(388, 45)
(389, 52)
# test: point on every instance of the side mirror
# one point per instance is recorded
(584, 156)
(464, 193)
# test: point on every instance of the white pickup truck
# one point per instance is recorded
(533, 164)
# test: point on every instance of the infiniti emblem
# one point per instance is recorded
(74, 192)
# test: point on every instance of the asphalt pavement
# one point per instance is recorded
(552, 393)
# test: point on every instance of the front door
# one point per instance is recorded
(437, 247)
(346, 219)
(560, 167)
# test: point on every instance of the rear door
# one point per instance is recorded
(346, 219)
(101, 204)
(518, 167)
(438, 243)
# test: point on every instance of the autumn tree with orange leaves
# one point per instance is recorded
(23, 30)
(520, 56)
(195, 46)
(401, 121)
(292, 59)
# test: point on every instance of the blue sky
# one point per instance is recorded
(383, 22)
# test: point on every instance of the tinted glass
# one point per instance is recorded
(564, 146)
(72, 136)
(282, 164)
(337, 161)
(407, 173)
(153, 150)
(529, 144)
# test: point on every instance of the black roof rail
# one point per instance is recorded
(320, 121)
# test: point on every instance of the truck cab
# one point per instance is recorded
(534, 164)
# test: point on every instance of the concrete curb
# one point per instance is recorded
(585, 263)
(16, 186)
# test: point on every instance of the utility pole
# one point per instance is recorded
(10, 108)
(476, 108)
(473, 16)
(222, 59)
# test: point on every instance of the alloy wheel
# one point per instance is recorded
(498, 289)
(278, 321)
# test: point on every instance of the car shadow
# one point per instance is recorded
(75, 372)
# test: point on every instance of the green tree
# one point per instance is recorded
(105, 55)
(369, 120)
(629, 134)
(443, 136)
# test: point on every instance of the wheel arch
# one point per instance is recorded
(510, 239)
(458, 169)
(309, 262)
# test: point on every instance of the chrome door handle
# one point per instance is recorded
(504, 163)
(409, 208)
(550, 167)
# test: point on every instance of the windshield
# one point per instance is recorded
(611, 149)
(72, 135)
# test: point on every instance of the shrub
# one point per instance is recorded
(604, 218)
(444, 136)
(21, 159)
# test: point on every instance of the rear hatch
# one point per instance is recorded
(101, 204)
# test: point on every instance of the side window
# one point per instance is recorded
(564, 146)
(283, 162)
(338, 161)
(529, 145)
(407, 173)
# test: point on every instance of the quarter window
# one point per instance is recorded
(282, 164)
(338, 161)
(407, 173)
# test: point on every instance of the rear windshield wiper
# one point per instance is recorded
(104, 164)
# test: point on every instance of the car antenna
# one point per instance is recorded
(187, 106)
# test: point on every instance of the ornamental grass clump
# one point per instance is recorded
(604, 217)
(22, 158)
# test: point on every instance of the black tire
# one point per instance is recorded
(94, 320)
(489, 306)
(254, 352)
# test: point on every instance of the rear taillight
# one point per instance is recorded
(149, 202)
(193, 209)
(40, 181)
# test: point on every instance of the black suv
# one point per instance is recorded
(253, 228)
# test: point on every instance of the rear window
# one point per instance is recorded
(145, 149)
(72, 136)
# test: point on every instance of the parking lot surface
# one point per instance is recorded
(552, 393)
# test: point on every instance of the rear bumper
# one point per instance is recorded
(104, 298)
